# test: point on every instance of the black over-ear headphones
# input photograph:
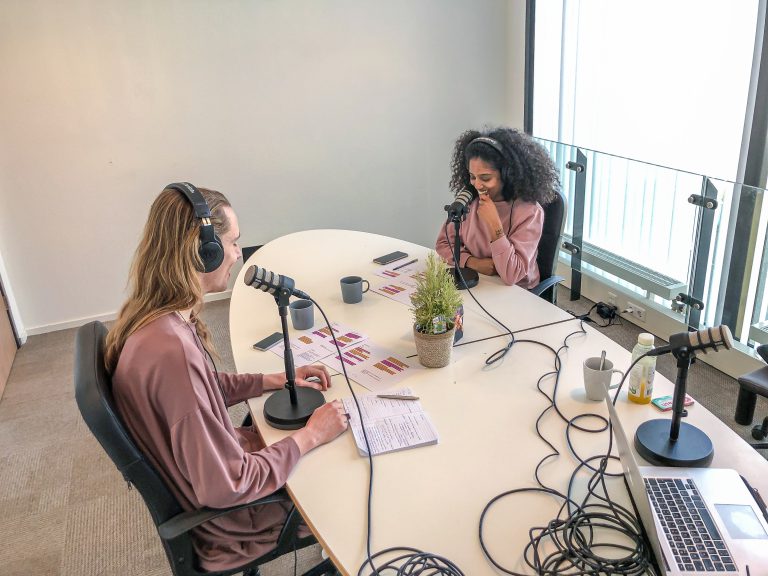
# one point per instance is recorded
(210, 250)
(492, 142)
(508, 157)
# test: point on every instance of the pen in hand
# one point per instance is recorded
(406, 264)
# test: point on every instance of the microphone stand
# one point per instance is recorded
(678, 443)
(462, 277)
(291, 407)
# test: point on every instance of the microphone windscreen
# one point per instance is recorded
(466, 195)
(250, 275)
(711, 338)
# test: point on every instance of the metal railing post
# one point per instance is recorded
(575, 247)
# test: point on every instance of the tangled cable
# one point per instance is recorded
(412, 562)
(577, 549)
(576, 546)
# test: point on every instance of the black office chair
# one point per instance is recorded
(549, 246)
(750, 385)
(93, 390)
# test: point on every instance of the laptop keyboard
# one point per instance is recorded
(695, 540)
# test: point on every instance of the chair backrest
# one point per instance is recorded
(549, 244)
(93, 391)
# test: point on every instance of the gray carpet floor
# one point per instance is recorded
(66, 510)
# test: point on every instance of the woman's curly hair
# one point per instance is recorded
(527, 172)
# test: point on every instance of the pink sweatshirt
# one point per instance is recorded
(514, 255)
(166, 392)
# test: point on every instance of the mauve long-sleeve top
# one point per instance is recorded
(514, 254)
(168, 396)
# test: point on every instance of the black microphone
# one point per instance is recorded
(461, 203)
(692, 341)
(266, 281)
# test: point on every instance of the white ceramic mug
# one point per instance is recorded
(596, 381)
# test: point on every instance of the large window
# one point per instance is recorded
(657, 98)
(657, 81)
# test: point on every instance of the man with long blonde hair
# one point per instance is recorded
(174, 401)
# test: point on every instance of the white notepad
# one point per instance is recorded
(391, 425)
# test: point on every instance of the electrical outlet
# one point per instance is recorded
(636, 311)
(611, 299)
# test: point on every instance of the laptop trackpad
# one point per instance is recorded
(741, 522)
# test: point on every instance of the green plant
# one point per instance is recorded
(436, 298)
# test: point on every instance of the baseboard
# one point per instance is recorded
(105, 317)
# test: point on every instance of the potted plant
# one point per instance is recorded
(435, 303)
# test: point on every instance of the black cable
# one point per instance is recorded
(575, 550)
(572, 531)
(414, 561)
(295, 558)
(521, 330)
(499, 354)
(365, 434)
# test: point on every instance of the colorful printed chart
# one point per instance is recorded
(312, 345)
(406, 273)
(399, 291)
(371, 366)
(401, 282)
(341, 335)
(302, 356)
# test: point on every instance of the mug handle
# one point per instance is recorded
(367, 286)
(612, 386)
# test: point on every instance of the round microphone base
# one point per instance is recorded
(693, 448)
(280, 413)
(470, 278)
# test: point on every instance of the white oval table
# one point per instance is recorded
(431, 497)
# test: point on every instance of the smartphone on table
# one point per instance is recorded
(388, 258)
(268, 342)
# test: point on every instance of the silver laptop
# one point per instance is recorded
(699, 521)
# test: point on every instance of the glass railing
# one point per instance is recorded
(690, 246)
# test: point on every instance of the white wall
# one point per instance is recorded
(340, 113)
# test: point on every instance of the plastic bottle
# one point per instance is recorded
(641, 377)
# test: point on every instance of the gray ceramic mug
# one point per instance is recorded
(302, 314)
(352, 289)
(597, 381)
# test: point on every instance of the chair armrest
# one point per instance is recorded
(184, 522)
(544, 284)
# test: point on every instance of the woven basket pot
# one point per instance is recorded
(434, 350)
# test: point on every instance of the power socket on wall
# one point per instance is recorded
(636, 311)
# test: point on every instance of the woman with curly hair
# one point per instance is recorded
(512, 176)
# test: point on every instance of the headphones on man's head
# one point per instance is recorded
(211, 250)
